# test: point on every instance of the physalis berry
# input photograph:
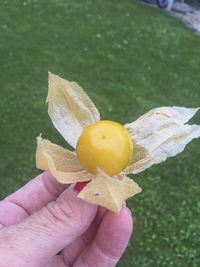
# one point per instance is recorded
(104, 144)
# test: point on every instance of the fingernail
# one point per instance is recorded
(129, 211)
(80, 185)
(124, 204)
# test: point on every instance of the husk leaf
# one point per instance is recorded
(62, 163)
(109, 192)
(159, 134)
(70, 108)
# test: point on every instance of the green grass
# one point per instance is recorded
(129, 58)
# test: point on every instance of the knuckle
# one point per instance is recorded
(60, 212)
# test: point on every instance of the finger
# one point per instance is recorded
(30, 198)
(57, 261)
(46, 232)
(110, 242)
(72, 251)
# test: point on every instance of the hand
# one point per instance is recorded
(45, 224)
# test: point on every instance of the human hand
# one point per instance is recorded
(45, 224)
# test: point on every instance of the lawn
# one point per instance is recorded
(129, 58)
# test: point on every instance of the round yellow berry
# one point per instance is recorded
(104, 144)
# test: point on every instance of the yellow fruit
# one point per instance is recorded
(104, 144)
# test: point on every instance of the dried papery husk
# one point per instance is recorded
(62, 163)
(70, 108)
(159, 134)
(109, 192)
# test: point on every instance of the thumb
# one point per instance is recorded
(43, 234)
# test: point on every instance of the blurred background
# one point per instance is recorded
(129, 58)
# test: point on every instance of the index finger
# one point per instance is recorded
(30, 198)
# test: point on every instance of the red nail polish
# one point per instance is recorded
(80, 185)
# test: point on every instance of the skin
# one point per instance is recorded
(45, 224)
